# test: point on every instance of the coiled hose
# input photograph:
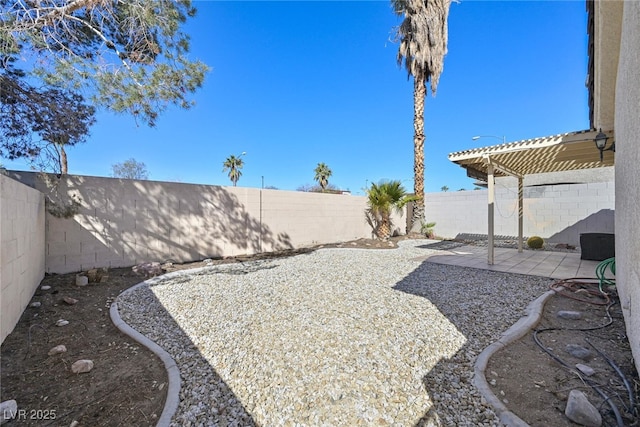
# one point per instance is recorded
(601, 271)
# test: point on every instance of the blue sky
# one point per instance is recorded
(297, 83)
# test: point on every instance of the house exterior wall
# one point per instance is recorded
(124, 222)
(627, 127)
(559, 213)
(22, 228)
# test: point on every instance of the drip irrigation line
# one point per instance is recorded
(568, 288)
(587, 381)
(29, 338)
(615, 367)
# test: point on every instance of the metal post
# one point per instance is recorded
(490, 231)
(520, 211)
(262, 186)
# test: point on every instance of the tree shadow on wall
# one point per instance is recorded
(123, 222)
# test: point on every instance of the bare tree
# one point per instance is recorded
(130, 169)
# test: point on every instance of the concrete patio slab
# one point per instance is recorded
(556, 265)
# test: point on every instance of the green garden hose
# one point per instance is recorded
(601, 271)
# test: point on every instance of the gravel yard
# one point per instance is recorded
(333, 337)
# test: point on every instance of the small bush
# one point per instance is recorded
(427, 229)
(535, 242)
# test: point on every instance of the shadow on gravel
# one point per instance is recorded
(205, 398)
(477, 314)
(443, 245)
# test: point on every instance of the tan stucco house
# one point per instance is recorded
(614, 90)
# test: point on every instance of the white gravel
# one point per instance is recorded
(335, 337)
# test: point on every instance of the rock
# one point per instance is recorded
(70, 301)
(581, 411)
(57, 350)
(104, 278)
(62, 322)
(92, 275)
(35, 304)
(567, 314)
(148, 269)
(81, 280)
(45, 287)
(74, 423)
(82, 366)
(578, 351)
(587, 370)
(8, 410)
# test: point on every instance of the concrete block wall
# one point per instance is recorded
(559, 213)
(22, 237)
(124, 222)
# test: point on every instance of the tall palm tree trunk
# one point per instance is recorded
(384, 228)
(419, 94)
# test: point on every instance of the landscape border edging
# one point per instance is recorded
(533, 313)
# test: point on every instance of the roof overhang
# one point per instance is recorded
(557, 153)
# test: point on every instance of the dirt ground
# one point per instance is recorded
(128, 383)
(535, 386)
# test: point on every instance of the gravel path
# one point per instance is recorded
(336, 337)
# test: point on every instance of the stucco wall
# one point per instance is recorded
(22, 228)
(627, 120)
(559, 213)
(125, 222)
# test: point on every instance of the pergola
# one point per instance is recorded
(557, 153)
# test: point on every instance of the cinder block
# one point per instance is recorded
(7, 276)
(10, 249)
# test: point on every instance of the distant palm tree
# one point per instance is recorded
(382, 199)
(444, 188)
(423, 44)
(233, 164)
(322, 175)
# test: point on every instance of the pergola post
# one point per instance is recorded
(490, 231)
(520, 210)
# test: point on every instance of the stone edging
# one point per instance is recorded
(173, 389)
(515, 332)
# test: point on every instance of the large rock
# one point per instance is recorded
(148, 269)
(578, 351)
(81, 280)
(70, 301)
(82, 366)
(57, 350)
(585, 369)
(568, 314)
(581, 411)
(8, 410)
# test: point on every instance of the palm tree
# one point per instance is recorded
(233, 164)
(322, 175)
(382, 199)
(423, 45)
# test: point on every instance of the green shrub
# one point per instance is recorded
(427, 229)
(535, 242)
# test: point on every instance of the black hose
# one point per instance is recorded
(615, 367)
(587, 381)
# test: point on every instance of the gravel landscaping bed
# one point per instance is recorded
(331, 337)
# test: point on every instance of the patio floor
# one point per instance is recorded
(556, 265)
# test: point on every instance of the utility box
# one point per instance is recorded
(597, 246)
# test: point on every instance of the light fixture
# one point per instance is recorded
(601, 143)
(477, 137)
